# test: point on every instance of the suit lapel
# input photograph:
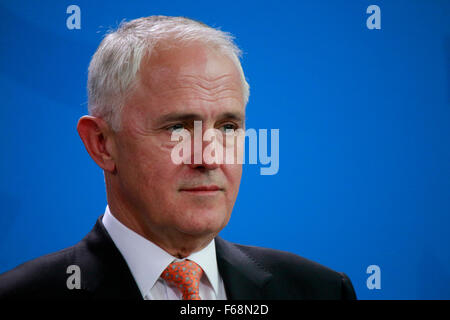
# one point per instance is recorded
(244, 279)
(105, 274)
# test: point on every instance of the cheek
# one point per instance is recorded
(147, 163)
(233, 172)
(157, 166)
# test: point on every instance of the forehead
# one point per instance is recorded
(195, 60)
(193, 77)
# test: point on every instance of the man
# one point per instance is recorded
(158, 236)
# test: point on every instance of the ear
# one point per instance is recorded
(98, 140)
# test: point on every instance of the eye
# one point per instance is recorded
(176, 127)
(229, 126)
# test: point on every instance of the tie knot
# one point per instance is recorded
(185, 275)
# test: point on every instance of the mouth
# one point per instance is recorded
(202, 190)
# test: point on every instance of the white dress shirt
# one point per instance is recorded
(147, 261)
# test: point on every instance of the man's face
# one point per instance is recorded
(176, 88)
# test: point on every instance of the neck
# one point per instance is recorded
(177, 244)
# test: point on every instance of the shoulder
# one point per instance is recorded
(287, 263)
(43, 277)
(94, 267)
(296, 276)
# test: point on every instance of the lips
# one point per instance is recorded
(202, 188)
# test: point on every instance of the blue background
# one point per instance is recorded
(364, 132)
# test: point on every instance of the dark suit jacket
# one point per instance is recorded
(247, 272)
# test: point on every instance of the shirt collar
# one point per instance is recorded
(147, 261)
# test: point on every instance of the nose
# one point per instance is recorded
(206, 149)
(204, 166)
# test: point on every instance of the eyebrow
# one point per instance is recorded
(182, 116)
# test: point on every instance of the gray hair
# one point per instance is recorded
(114, 67)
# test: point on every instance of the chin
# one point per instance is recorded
(203, 221)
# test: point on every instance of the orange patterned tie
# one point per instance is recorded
(185, 275)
